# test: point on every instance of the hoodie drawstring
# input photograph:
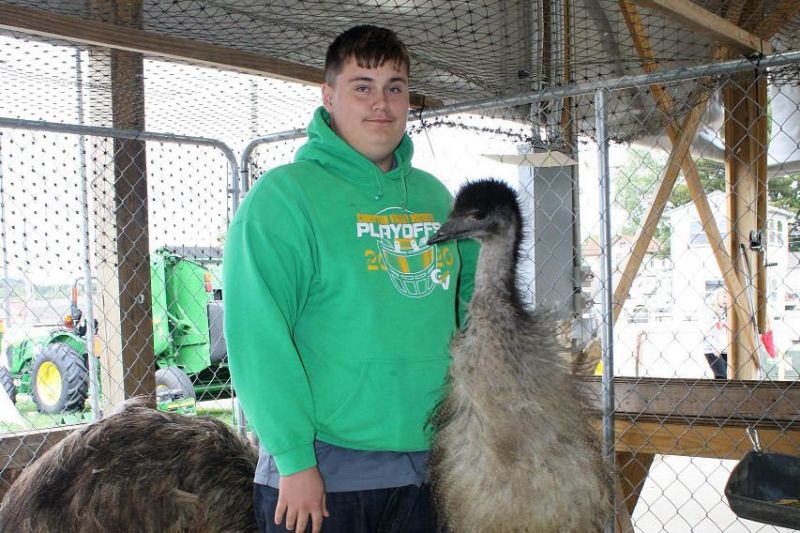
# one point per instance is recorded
(379, 193)
(405, 190)
(379, 186)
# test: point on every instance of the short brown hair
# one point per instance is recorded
(370, 46)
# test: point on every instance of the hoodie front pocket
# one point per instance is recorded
(358, 383)
(388, 405)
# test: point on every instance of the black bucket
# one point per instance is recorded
(765, 487)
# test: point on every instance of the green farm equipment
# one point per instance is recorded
(188, 342)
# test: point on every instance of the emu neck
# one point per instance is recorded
(496, 273)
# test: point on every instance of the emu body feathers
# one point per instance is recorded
(138, 470)
(514, 450)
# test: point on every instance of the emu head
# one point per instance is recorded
(484, 210)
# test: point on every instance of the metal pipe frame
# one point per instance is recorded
(607, 295)
(624, 82)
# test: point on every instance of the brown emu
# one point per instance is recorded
(137, 470)
(513, 448)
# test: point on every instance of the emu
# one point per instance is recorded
(513, 449)
(138, 470)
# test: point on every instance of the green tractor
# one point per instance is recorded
(188, 341)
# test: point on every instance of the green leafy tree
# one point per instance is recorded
(712, 176)
(635, 185)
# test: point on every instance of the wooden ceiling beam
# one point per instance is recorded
(777, 18)
(715, 27)
(96, 33)
(750, 15)
(733, 9)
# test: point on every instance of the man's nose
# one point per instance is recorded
(381, 102)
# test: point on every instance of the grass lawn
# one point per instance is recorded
(220, 409)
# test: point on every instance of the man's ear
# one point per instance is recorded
(327, 97)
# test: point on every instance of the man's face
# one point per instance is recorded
(369, 109)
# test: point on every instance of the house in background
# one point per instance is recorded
(649, 297)
(696, 274)
(792, 282)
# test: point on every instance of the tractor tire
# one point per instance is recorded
(8, 384)
(172, 381)
(59, 379)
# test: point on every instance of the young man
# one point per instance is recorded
(338, 313)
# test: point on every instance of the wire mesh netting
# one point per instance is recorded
(97, 224)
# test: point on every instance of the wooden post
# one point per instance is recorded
(633, 469)
(127, 360)
(567, 125)
(745, 101)
(759, 146)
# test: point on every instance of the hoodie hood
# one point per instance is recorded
(326, 148)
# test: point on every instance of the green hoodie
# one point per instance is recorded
(337, 313)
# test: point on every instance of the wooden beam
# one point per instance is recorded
(759, 147)
(692, 16)
(679, 153)
(777, 18)
(751, 15)
(733, 9)
(686, 438)
(666, 105)
(641, 41)
(20, 449)
(732, 402)
(566, 121)
(106, 34)
(746, 139)
(701, 418)
(622, 515)
(129, 368)
(664, 102)
(632, 471)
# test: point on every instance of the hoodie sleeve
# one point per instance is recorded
(468, 254)
(268, 270)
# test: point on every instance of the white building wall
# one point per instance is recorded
(696, 269)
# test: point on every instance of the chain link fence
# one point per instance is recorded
(111, 243)
(81, 238)
(680, 409)
(698, 289)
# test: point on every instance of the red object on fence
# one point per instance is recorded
(768, 341)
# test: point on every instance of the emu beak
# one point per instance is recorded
(458, 228)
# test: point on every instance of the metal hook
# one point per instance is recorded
(752, 432)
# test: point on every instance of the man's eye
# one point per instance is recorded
(362, 88)
(395, 90)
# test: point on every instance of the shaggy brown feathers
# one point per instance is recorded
(514, 451)
(138, 470)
